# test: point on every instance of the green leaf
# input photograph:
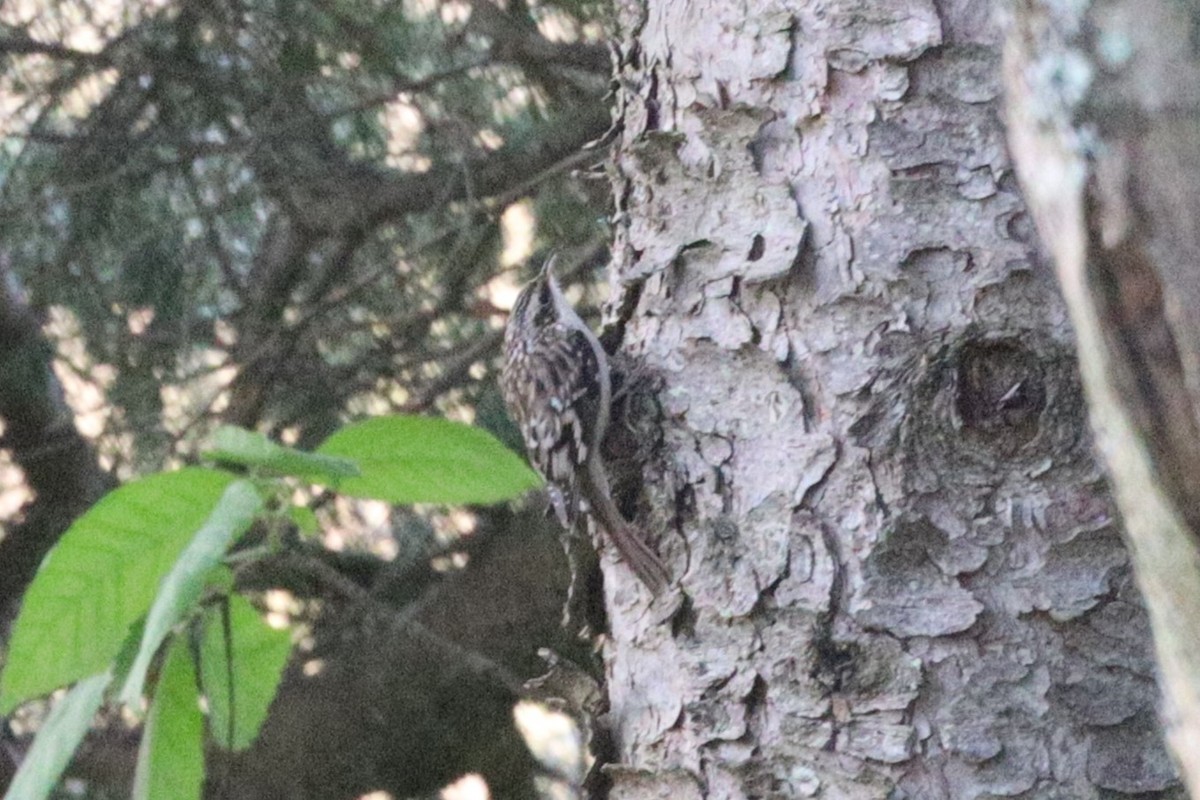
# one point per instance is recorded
(250, 449)
(260, 653)
(57, 740)
(428, 460)
(170, 762)
(220, 581)
(101, 578)
(181, 588)
(129, 650)
(305, 520)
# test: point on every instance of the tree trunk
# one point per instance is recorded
(1105, 130)
(900, 570)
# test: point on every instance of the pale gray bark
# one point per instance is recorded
(901, 572)
(1104, 110)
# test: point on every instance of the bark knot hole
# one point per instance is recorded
(1001, 392)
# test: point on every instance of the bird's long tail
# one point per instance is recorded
(644, 562)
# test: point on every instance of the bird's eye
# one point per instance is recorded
(543, 314)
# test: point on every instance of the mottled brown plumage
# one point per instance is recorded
(557, 386)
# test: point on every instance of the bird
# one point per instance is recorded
(557, 385)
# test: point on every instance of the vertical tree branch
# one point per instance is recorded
(1104, 126)
(39, 432)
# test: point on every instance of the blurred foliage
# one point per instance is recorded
(152, 559)
(301, 201)
(282, 215)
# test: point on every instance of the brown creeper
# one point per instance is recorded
(558, 387)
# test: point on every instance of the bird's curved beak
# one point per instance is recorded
(548, 266)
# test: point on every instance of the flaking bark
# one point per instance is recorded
(901, 569)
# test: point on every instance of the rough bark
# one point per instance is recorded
(1105, 128)
(901, 574)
